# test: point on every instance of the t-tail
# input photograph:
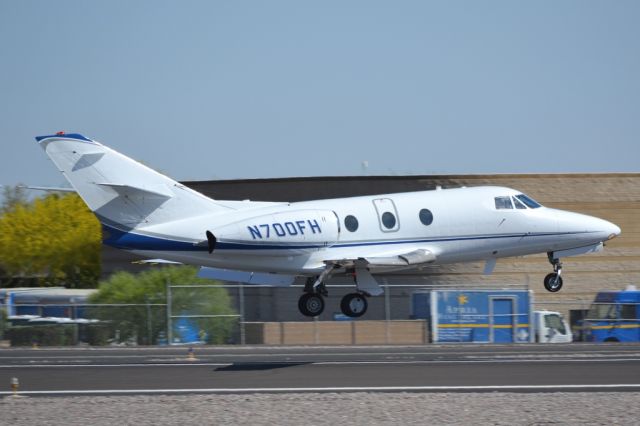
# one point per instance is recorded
(122, 193)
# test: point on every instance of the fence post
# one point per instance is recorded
(149, 332)
(241, 300)
(169, 325)
(387, 311)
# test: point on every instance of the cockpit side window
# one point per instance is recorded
(518, 204)
(503, 203)
(530, 202)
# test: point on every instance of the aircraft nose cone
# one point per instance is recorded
(613, 230)
(605, 228)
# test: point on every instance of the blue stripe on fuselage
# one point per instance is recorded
(133, 241)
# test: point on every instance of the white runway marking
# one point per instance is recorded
(189, 364)
(505, 388)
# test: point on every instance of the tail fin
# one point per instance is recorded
(120, 191)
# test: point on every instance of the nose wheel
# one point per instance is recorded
(553, 281)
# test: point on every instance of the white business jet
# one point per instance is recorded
(274, 243)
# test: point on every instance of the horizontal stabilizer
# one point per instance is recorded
(49, 188)
(131, 191)
(255, 278)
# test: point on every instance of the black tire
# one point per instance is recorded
(553, 282)
(611, 340)
(354, 305)
(311, 304)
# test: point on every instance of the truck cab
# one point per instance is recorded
(551, 327)
(614, 316)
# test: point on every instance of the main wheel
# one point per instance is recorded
(553, 282)
(311, 304)
(354, 305)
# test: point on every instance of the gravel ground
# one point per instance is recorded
(327, 409)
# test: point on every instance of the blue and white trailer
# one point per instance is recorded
(487, 316)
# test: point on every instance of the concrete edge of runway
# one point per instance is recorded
(380, 389)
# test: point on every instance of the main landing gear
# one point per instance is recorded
(311, 303)
(553, 281)
(354, 305)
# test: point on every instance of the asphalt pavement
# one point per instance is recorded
(434, 368)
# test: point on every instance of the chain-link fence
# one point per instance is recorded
(119, 324)
(195, 315)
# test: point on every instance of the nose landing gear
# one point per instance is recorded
(553, 281)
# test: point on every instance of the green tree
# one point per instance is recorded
(145, 324)
(54, 240)
(13, 196)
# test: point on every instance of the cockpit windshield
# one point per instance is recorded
(518, 204)
(520, 201)
(530, 202)
(503, 203)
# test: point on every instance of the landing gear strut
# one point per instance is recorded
(553, 281)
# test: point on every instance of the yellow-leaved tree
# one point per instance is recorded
(53, 240)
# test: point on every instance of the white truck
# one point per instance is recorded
(488, 316)
(551, 327)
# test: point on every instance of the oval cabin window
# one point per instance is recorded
(388, 220)
(426, 217)
(351, 223)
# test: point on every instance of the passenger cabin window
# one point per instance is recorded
(351, 223)
(388, 220)
(426, 217)
(530, 202)
(503, 203)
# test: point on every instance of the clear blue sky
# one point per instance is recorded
(212, 89)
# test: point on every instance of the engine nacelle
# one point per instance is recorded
(293, 232)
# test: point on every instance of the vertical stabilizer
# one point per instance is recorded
(120, 191)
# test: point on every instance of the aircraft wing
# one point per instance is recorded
(365, 264)
(386, 259)
(255, 278)
(415, 257)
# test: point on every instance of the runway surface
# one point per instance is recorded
(521, 368)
